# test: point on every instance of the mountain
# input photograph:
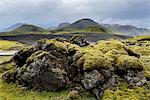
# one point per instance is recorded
(12, 27)
(29, 28)
(62, 25)
(126, 29)
(83, 23)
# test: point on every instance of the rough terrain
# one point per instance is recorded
(53, 65)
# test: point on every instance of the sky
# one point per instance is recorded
(52, 12)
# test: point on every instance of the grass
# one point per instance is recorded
(10, 45)
(4, 58)
(140, 38)
(14, 91)
(124, 92)
(146, 62)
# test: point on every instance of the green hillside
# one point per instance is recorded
(82, 25)
(26, 29)
(29, 28)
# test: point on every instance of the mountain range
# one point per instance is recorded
(86, 25)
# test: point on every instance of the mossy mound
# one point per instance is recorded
(140, 44)
(52, 64)
(128, 62)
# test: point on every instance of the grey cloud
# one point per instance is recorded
(55, 11)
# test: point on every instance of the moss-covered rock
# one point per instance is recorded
(73, 95)
(79, 40)
(125, 62)
(52, 64)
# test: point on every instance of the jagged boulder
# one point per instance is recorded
(79, 40)
(52, 64)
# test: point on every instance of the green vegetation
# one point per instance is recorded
(83, 25)
(141, 44)
(126, 92)
(26, 29)
(140, 38)
(29, 28)
(15, 92)
(95, 29)
(4, 58)
(103, 54)
(146, 62)
(10, 45)
(128, 62)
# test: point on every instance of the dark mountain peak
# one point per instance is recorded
(86, 20)
(83, 23)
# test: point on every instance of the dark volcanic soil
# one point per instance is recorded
(32, 38)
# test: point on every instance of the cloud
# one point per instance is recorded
(52, 12)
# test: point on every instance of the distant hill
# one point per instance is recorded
(62, 25)
(29, 28)
(82, 25)
(126, 29)
(25, 29)
(10, 28)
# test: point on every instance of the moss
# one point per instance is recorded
(146, 62)
(37, 55)
(126, 92)
(61, 46)
(6, 67)
(95, 29)
(91, 58)
(105, 54)
(113, 54)
(9, 45)
(140, 38)
(74, 95)
(108, 45)
(128, 62)
(141, 50)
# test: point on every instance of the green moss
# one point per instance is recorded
(61, 46)
(37, 55)
(6, 67)
(126, 92)
(141, 50)
(112, 55)
(95, 29)
(9, 45)
(91, 58)
(128, 62)
(74, 95)
(105, 54)
(146, 62)
(140, 38)
(108, 45)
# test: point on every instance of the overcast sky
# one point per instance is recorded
(53, 12)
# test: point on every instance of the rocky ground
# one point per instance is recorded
(99, 68)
